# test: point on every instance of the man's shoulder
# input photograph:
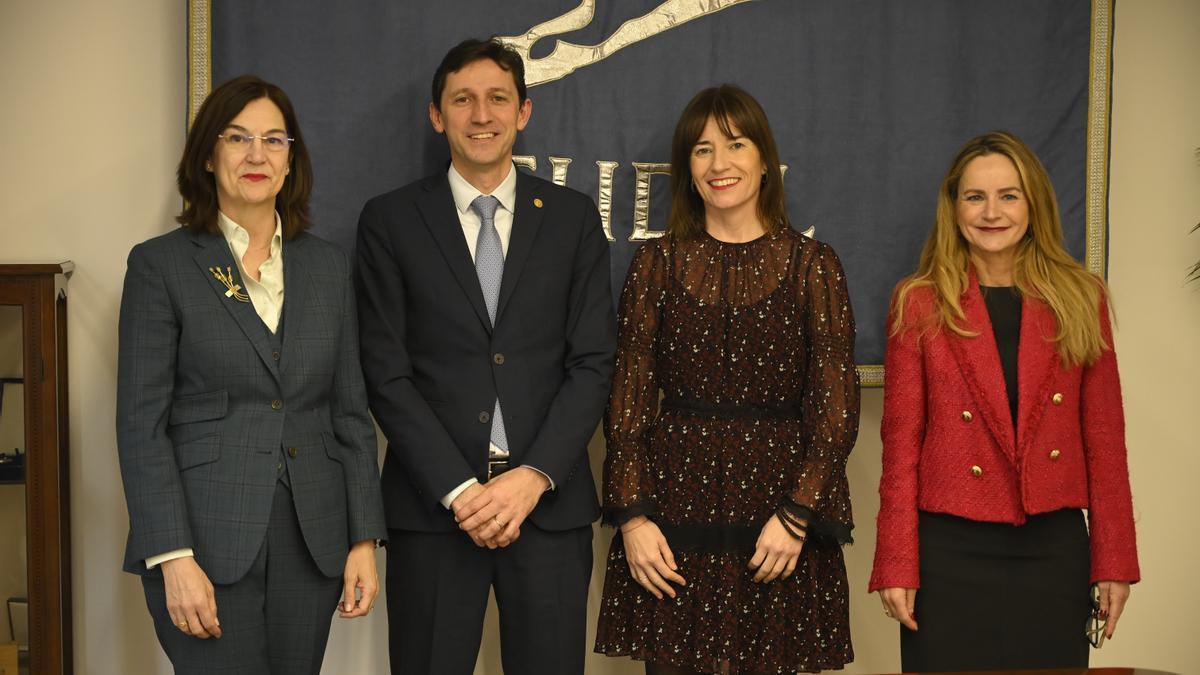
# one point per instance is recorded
(407, 194)
(551, 195)
(535, 184)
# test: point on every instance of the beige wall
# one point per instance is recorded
(92, 123)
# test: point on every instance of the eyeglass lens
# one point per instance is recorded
(237, 139)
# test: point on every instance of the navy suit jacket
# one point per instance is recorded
(434, 364)
(206, 411)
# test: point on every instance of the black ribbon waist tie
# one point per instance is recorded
(738, 538)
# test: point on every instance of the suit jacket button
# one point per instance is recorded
(485, 417)
(1057, 398)
(498, 359)
(976, 471)
(275, 355)
(276, 405)
(1054, 454)
(967, 416)
(292, 452)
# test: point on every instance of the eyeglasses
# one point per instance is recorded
(239, 141)
(1096, 623)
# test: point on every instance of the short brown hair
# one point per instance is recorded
(472, 50)
(731, 106)
(198, 185)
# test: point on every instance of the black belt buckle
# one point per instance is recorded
(496, 467)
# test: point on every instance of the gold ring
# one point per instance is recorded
(182, 624)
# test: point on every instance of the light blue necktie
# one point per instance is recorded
(489, 265)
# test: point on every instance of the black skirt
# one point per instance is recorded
(997, 597)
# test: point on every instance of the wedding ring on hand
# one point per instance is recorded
(183, 625)
(498, 523)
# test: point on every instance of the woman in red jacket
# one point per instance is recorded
(1002, 422)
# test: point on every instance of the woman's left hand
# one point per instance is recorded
(775, 552)
(360, 580)
(1113, 595)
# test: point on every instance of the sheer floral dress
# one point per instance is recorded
(752, 347)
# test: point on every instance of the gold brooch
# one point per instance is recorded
(537, 203)
(226, 278)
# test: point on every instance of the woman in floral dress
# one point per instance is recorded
(730, 489)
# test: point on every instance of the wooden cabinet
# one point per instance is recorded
(34, 452)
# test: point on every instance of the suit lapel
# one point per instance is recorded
(297, 286)
(979, 360)
(527, 220)
(214, 253)
(441, 217)
(1037, 362)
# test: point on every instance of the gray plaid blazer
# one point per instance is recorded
(206, 410)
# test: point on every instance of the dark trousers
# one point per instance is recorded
(437, 593)
(274, 620)
(998, 597)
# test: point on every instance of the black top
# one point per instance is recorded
(1004, 310)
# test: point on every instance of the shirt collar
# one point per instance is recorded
(464, 193)
(235, 233)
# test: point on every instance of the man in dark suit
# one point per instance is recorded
(487, 336)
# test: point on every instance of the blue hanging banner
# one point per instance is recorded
(868, 100)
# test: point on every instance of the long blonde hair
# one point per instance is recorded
(1043, 268)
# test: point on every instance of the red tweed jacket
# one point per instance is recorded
(948, 443)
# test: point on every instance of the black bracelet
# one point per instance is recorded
(795, 529)
(797, 511)
(797, 516)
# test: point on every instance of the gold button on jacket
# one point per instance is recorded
(967, 416)
(1057, 398)
(976, 471)
(1054, 454)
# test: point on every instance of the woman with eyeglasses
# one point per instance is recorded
(247, 453)
(1002, 423)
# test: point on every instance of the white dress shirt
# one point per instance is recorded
(266, 295)
(464, 193)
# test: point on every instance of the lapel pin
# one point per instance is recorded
(226, 278)
(537, 202)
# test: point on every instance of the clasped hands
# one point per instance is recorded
(492, 513)
(652, 564)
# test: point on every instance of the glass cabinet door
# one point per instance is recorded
(14, 559)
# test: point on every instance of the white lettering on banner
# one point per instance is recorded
(643, 171)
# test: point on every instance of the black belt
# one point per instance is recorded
(735, 538)
(496, 467)
(732, 410)
(711, 538)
